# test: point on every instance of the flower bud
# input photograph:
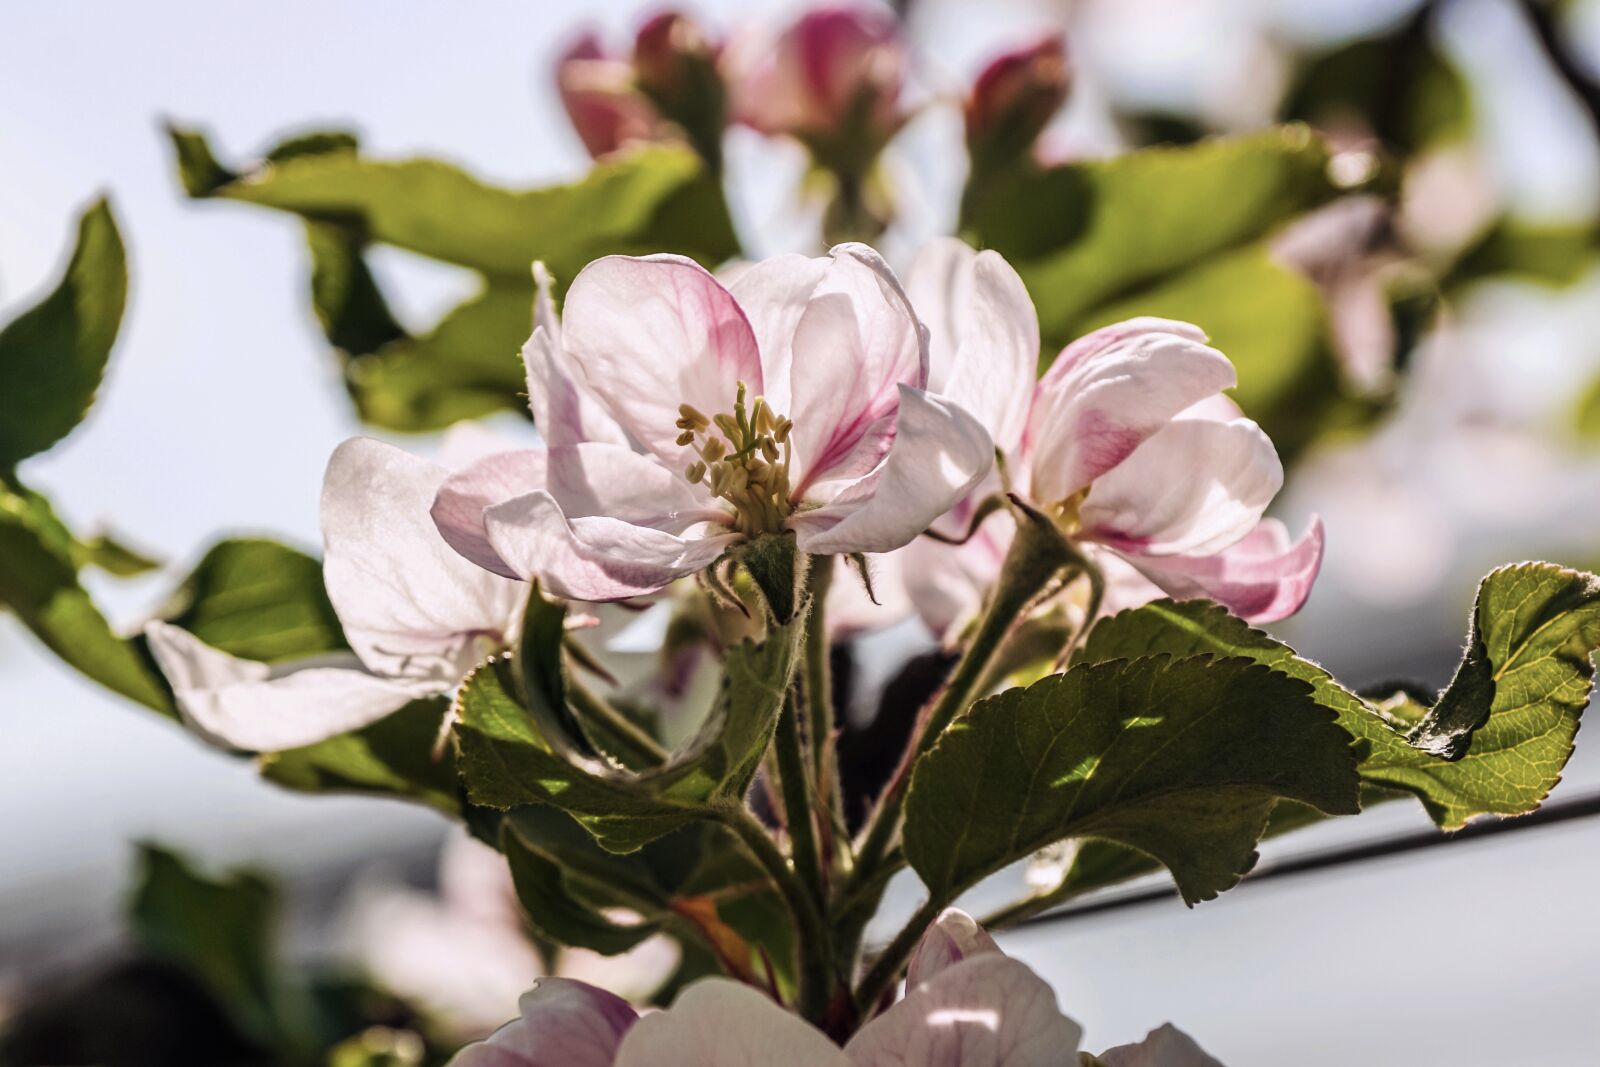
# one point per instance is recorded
(606, 109)
(833, 79)
(1014, 98)
(675, 67)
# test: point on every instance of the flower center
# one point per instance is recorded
(744, 459)
(1065, 512)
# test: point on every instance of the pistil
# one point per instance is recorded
(744, 459)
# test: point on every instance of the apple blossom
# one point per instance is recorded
(603, 101)
(966, 1004)
(417, 617)
(1126, 444)
(792, 401)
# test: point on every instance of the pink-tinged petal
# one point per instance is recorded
(599, 479)
(596, 558)
(241, 704)
(947, 583)
(1194, 488)
(997, 353)
(812, 77)
(563, 1024)
(1261, 579)
(986, 1011)
(953, 937)
(459, 505)
(774, 294)
(605, 108)
(651, 334)
(563, 409)
(1108, 392)
(940, 453)
(411, 606)
(856, 342)
(720, 1023)
(1166, 1046)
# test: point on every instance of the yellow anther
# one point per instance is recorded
(769, 450)
(780, 433)
(744, 460)
(696, 473)
(686, 437)
(714, 449)
(692, 417)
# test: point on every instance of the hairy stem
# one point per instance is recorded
(892, 960)
(638, 747)
(798, 805)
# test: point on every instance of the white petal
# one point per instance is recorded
(987, 1011)
(598, 479)
(947, 583)
(1194, 488)
(983, 334)
(650, 334)
(774, 294)
(563, 408)
(1166, 1046)
(940, 452)
(856, 343)
(1109, 392)
(720, 1023)
(411, 606)
(563, 1024)
(595, 558)
(241, 704)
(1261, 579)
(953, 937)
(849, 610)
(459, 504)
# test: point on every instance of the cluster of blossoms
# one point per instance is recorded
(691, 421)
(966, 1004)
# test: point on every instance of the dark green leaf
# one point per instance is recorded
(1181, 759)
(1089, 234)
(53, 355)
(220, 930)
(395, 756)
(1509, 717)
(39, 583)
(257, 599)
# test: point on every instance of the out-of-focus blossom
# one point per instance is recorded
(966, 1003)
(1165, 1046)
(1346, 249)
(1126, 443)
(793, 401)
(1013, 99)
(463, 954)
(417, 617)
(603, 101)
(833, 79)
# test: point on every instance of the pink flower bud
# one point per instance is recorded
(1014, 98)
(601, 99)
(834, 75)
(668, 50)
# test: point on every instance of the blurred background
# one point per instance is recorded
(222, 406)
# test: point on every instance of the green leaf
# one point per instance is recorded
(53, 355)
(395, 756)
(39, 584)
(1586, 415)
(1557, 254)
(1182, 759)
(112, 556)
(257, 599)
(1501, 733)
(219, 930)
(1089, 234)
(513, 755)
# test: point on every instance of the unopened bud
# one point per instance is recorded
(1014, 98)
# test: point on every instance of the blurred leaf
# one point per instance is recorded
(1586, 418)
(39, 584)
(1555, 254)
(394, 756)
(1084, 235)
(652, 200)
(114, 557)
(1500, 734)
(53, 355)
(221, 931)
(258, 600)
(1181, 759)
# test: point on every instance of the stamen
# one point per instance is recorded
(740, 461)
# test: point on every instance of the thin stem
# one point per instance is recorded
(1036, 556)
(817, 681)
(799, 813)
(637, 744)
(892, 960)
(813, 964)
